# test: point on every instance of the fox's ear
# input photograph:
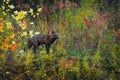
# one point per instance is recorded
(51, 32)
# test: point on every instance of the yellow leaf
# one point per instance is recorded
(12, 36)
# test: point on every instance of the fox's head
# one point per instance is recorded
(54, 35)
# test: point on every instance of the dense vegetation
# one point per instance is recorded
(88, 47)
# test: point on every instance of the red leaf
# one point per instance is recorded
(87, 22)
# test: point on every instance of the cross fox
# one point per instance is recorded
(40, 39)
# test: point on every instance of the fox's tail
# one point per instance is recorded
(29, 45)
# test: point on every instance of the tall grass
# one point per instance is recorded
(86, 50)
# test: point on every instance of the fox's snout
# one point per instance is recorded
(55, 37)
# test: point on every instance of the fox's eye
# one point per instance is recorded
(55, 36)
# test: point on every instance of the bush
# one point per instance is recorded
(88, 45)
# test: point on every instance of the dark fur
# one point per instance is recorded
(40, 39)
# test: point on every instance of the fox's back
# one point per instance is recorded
(42, 39)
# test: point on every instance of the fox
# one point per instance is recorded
(42, 39)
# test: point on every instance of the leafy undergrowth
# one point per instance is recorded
(59, 67)
(88, 47)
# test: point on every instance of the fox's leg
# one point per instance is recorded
(35, 45)
(47, 48)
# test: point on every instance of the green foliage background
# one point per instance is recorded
(79, 54)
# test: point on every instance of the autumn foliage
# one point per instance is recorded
(87, 48)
